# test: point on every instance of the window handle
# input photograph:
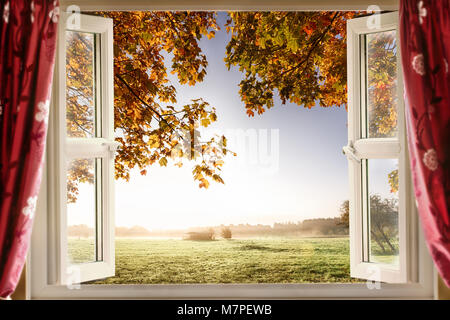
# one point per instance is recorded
(349, 151)
(112, 145)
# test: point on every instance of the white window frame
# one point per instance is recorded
(63, 149)
(39, 262)
(362, 148)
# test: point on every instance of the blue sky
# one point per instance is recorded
(311, 180)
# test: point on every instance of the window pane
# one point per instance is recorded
(381, 84)
(383, 210)
(83, 197)
(80, 82)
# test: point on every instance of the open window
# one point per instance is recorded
(382, 210)
(83, 151)
(73, 237)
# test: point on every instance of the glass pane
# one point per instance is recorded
(383, 210)
(80, 82)
(381, 84)
(82, 207)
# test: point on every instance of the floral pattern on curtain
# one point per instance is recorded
(27, 55)
(425, 48)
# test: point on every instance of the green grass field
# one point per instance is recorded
(148, 261)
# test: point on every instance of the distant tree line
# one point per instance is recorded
(80, 231)
(309, 227)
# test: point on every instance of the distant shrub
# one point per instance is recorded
(226, 233)
(211, 233)
(206, 235)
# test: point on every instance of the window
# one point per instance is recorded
(382, 216)
(81, 143)
(83, 151)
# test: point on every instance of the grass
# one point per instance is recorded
(148, 261)
(387, 257)
(81, 250)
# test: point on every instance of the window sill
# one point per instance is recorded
(236, 291)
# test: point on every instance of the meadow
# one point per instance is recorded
(274, 260)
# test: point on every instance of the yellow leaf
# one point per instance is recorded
(163, 162)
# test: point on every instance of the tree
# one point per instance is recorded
(382, 84)
(149, 126)
(299, 55)
(211, 233)
(302, 57)
(226, 233)
(345, 214)
(383, 221)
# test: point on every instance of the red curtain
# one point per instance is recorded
(27, 53)
(425, 48)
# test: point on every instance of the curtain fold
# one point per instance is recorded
(27, 54)
(425, 50)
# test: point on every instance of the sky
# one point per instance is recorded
(299, 173)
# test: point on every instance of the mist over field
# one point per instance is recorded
(306, 228)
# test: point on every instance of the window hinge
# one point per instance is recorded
(349, 151)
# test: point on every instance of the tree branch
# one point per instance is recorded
(314, 45)
(147, 105)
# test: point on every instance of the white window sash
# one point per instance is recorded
(359, 149)
(63, 149)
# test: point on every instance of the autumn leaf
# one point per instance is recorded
(217, 178)
(393, 180)
(205, 122)
(163, 162)
(204, 183)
